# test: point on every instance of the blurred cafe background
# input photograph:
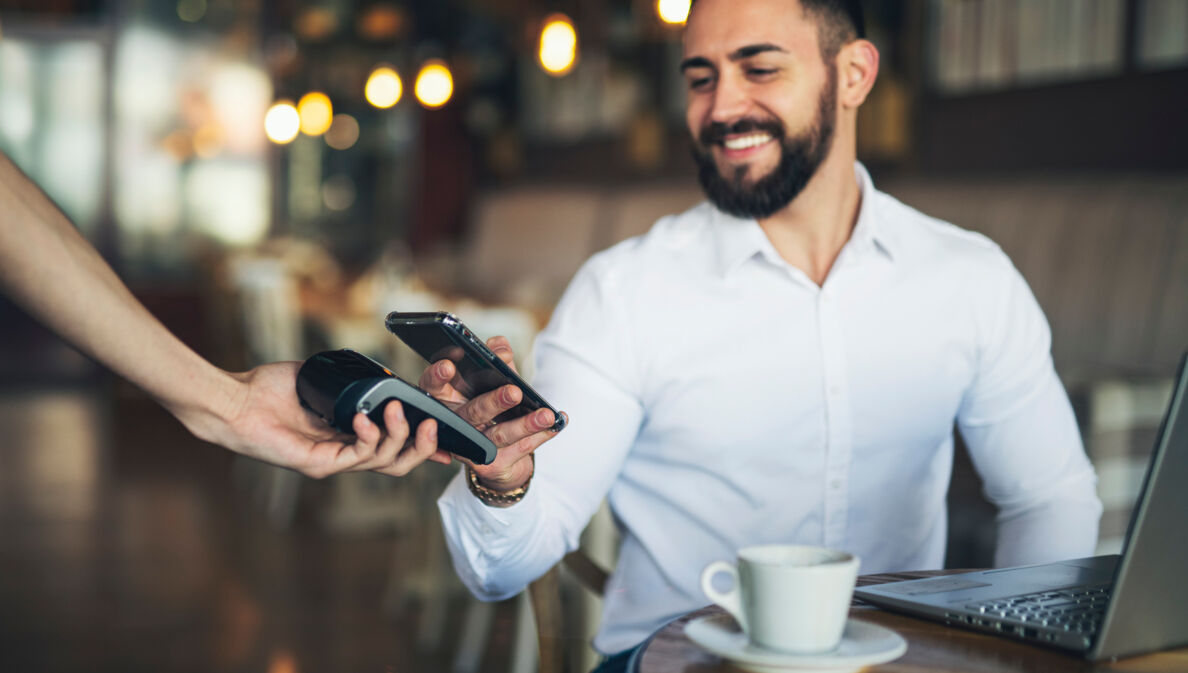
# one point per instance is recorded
(272, 177)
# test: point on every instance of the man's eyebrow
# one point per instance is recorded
(696, 62)
(753, 49)
(739, 54)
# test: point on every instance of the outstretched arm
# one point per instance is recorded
(60, 279)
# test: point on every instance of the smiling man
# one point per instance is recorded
(784, 363)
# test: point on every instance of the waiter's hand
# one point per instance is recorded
(262, 418)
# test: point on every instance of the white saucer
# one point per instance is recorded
(862, 644)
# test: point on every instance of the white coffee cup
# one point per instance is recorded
(789, 598)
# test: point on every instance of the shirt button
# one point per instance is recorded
(835, 390)
(835, 484)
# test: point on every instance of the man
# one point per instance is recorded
(784, 363)
(55, 274)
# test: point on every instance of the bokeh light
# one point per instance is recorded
(384, 87)
(208, 141)
(343, 133)
(228, 199)
(191, 11)
(281, 122)
(338, 192)
(239, 96)
(558, 45)
(434, 84)
(673, 12)
(315, 112)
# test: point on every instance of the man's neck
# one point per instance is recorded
(809, 233)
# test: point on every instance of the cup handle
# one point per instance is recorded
(729, 600)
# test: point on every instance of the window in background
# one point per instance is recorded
(1163, 34)
(52, 122)
(595, 99)
(191, 161)
(991, 44)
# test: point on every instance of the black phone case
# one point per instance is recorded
(434, 335)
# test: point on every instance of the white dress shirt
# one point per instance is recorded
(719, 398)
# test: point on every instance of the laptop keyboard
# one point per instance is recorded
(1070, 616)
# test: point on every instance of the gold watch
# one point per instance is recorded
(492, 497)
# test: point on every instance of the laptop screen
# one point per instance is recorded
(1149, 606)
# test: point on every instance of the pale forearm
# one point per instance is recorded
(57, 276)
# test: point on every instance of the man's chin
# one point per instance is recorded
(742, 176)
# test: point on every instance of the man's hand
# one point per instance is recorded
(262, 418)
(516, 439)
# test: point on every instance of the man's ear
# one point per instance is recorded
(858, 66)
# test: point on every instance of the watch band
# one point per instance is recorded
(492, 497)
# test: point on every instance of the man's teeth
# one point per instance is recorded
(743, 142)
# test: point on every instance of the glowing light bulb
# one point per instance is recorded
(315, 112)
(281, 122)
(384, 87)
(558, 45)
(673, 12)
(434, 84)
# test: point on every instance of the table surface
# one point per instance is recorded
(931, 647)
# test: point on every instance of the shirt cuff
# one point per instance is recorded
(494, 529)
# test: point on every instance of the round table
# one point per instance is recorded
(931, 647)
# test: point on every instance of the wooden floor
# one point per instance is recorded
(129, 546)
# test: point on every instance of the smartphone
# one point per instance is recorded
(441, 336)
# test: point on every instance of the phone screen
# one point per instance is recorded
(442, 337)
(475, 375)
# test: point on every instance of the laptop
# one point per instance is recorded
(1098, 607)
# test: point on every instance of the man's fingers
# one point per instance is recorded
(437, 375)
(479, 411)
(513, 467)
(510, 466)
(532, 442)
(512, 431)
(437, 380)
(500, 346)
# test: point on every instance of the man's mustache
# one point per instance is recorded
(715, 133)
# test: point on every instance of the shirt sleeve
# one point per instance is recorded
(1022, 435)
(586, 366)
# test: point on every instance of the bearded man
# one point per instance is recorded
(782, 364)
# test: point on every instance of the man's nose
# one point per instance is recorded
(731, 101)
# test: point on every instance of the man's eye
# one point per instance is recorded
(761, 72)
(700, 82)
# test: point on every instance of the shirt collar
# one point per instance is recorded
(738, 240)
(870, 229)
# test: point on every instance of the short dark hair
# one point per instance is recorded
(841, 22)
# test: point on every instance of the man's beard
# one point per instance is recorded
(800, 157)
